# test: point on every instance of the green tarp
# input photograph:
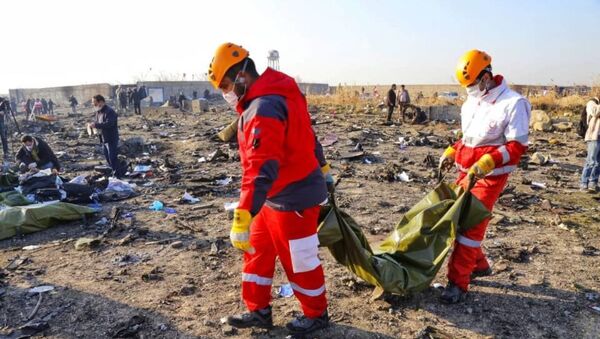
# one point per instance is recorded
(36, 217)
(13, 198)
(410, 257)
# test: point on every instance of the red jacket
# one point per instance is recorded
(278, 147)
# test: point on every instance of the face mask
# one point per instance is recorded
(474, 91)
(231, 98)
(29, 148)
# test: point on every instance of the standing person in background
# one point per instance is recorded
(403, 101)
(44, 106)
(181, 99)
(129, 98)
(73, 103)
(123, 100)
(107, 122)
(137, 100)
(37, 107)
(50, 107)
(390, 100)
(591, 169)
(27, 109)
(4, 111)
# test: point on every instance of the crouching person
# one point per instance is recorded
(35, 154)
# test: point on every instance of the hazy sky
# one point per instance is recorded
(53, 43)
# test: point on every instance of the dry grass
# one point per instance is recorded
(346, 99)
(551, 102)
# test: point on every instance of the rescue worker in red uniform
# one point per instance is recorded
(283, 186)
(495, 127)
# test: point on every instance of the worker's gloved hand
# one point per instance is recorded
(447, 159)
(32, 166)
(240, 230)
(328, 178)
(484, 166)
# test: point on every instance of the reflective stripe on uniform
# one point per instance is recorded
(479, 142)
(311, 293)
(467, 242)
(505, 155)
(257, 279)
(497, 171)
(523, 139)
(239, 236)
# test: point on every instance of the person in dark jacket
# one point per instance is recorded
(137, 100)
(51, 106)
(44, 106)
(73, 102)
(36, 154)
(181, 101)
(391, 103)
(5, 109)
(106, 122)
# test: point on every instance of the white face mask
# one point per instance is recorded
(474, 91)
(29, 148)
(231, 98)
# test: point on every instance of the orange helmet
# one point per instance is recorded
(227, 55)
(470, 66)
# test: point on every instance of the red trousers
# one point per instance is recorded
(467, 255)
(291, 236)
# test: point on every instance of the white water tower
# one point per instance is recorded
(273, 58)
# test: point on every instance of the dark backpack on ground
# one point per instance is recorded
(583, 125)
(78, 193)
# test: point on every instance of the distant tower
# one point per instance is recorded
(273, 58)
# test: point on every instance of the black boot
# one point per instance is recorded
(261, 318)
(481, 273)
(452, 294)
(303, 325)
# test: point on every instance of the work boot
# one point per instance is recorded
(481, 273)
(304, 325)
(261, 318)
(452, 294)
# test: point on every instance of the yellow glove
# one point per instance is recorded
(240, 230)
(447, 158)
(484, 166)
(325, 169)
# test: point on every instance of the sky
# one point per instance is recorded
(59, 42)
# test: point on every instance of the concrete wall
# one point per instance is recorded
(60, 95)
(172, 88)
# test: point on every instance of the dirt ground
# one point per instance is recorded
(159, 275)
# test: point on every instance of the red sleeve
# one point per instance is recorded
(263, 146)
(510, 153)
(457, 144)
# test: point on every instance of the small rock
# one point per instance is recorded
(228, 330)
(187, 290)
(177, 244)
(469, 310)
(86, 243)
(214, 249)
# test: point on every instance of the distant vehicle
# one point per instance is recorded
(448, 95)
